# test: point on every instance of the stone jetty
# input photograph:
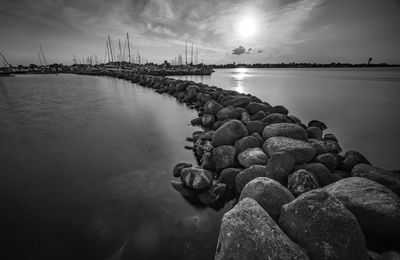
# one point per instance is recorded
(298, 196)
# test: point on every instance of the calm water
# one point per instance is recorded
(361, 106)
(85, 165)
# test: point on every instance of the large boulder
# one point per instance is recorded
(270, 194)
(228, 176)
(212, 107)
(323, 226)
(255, 127)
(322, 147)
(224, 157)
(281, 110)
(376, 207)
(379, 175)
(302, 181)
(285, 129)
(275, 118)
(300, 150)
(248, 232)
(351, 159)
(328, 159)
(279, 166)
(238, 101)
(228, 112)
(207, 120)
(196, 178)
(317, 123)
(245, 143)
(248, 175)
(314, 132)
(252, 156)
(254, 107)
(323, 175)
(229, 133)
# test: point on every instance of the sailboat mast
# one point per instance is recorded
(129, 48)
(111, 49)
(44, 58)
(40, 60)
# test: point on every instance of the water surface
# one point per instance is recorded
(361, 106)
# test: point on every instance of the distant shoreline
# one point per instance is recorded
(302, 65)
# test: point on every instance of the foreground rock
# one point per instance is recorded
(376, 207)
(285, 129)
(301, 151)
(248, 232)
(384, 177)
(323, 175)
(248, 175)
(252, 156)
(270, 194)
(196, 178)
(229, 133)
(302, 181)
(323, 226)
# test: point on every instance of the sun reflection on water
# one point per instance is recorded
(239, 75)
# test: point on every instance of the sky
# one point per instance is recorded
(224, 31)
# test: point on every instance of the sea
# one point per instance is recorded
(86, 161)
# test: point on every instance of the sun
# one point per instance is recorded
(246, 27)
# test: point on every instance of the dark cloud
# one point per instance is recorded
(239, 50)
(259, 51)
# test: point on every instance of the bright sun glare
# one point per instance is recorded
(246, 27)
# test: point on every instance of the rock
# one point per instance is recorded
(255, 127)
(300, 150)
(281, 110)
(275, 118)
(279, 166)
(191, 91)
(270, 194)
(245, 143)
(229, 133)
(327, 159)
(196, 178)
(248, 232)
(252, 156)
(376, 207)
(323, 175)
(228, 176)
(207, 135)
(322, 147)
(244, 117)
(207, 120)
(323, 226)
(179, 167)
(224, 157)
(258, 116)
(215, 196)
(352, 158)
(183, 190)
(296, 120)
(212, 107)
(197, 121)
(314, 132)
(207, 161)
(259, 138)
(318, 124)
(302, 181)
(228, 112)
(202, 146)
(285, 129)
(330, 137)
(379, 175)
(239, 101)
(248, 175)
(196, 135)
(253, 108)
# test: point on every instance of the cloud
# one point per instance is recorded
(239, 50)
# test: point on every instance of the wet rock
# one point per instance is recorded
(196, 178)
(279, 166)
(202, 146)
(323, 175)
(269, 194)
(224, 157)
(240, 101)
(229, 133)
(212, 107)
(245, 143)
(248, 175)
(327, 159)
(179, 167)
(252, 156)
(258, 116)
(376, 207)
(300, 150)
(196, 135)
(197, 121)
(248, 232)
(285, 129)
(184, 190)
(325, 146)
(207, 120)
(281, 110)
(295, 120)
(318, 124)
(215, 196)
(323, 226)
(379, 175)
(228, 176)
(330, 137)
(275, 118)
(253, 108)
(314, 132)
(207, 135)
(302, 181)
(351, 159)
(207, 161)
(255, 127)
(228, 112)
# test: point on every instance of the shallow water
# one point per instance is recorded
(85, 166)
(361, 106)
